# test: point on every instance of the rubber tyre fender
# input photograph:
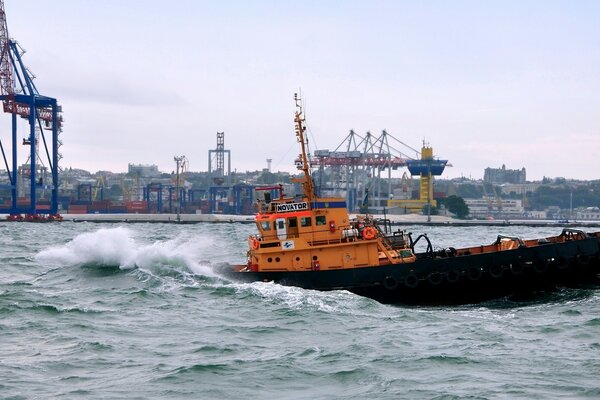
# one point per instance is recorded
(583, 259)
(496, 271)
(474, 273)
(390, 283)
(517, 268)
(453, 276)
(540, 266)
(562, 263)
(411, 280)
(435, 278)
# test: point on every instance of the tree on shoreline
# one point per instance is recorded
(456, 205)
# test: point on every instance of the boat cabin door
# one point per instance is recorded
(281, 228)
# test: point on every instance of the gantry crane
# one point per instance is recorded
(358, 160)
(20, 97)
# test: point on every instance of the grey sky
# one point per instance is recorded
(485, 83)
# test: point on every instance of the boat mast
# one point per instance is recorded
(302, 161)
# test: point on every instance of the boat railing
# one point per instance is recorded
(387, 225)
(573, 234)
(384, 239)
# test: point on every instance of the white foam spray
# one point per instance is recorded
(295, 298)
(120, 247)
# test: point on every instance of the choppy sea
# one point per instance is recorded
(136, 312)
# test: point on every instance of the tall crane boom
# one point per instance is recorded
(7, 83)
(11, 67)
(20, 97)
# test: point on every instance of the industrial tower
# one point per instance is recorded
(216, 166)
(20, 97)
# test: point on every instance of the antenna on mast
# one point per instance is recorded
(302, 160)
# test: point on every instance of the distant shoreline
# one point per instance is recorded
(407, 219)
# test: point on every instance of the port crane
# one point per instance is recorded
(21, 98)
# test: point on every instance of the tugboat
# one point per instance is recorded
(311, 242)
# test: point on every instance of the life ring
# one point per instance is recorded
(411, 280)
(390, 283)
(496, 271)
(255, 244)
(369, 233)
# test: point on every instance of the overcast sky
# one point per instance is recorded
(485, 83)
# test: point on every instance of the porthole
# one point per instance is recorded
(269, 259)
(276, 259)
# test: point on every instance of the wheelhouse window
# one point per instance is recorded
(293, 222)
(265, 225)
(321, 220)
(305, 221)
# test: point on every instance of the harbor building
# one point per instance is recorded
(503, 175)
(588, 213)
(489, 207)
(143, 170)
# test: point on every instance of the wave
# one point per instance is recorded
(120, 247)
(297, 299)
(48, 308)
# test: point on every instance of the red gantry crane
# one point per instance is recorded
(20, 97)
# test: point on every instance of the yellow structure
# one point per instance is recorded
(425, 189)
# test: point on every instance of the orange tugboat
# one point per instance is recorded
(312, 242)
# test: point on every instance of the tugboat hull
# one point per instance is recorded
(433, 279)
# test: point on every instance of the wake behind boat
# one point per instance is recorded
(311, 242)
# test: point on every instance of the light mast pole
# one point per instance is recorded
(428, 190)
(180, 163)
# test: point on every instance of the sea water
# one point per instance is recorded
(137, 312)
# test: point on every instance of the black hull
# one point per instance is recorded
(457, 280)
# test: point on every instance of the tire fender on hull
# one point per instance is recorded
(411, 280)
(474, 273)
(390, 283)
(583, 259)
(496, 271)
(435, 278)
(517, 267)
(562, 262)
(540, 266)
(453, 275)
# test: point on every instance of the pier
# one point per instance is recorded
(408, 219)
